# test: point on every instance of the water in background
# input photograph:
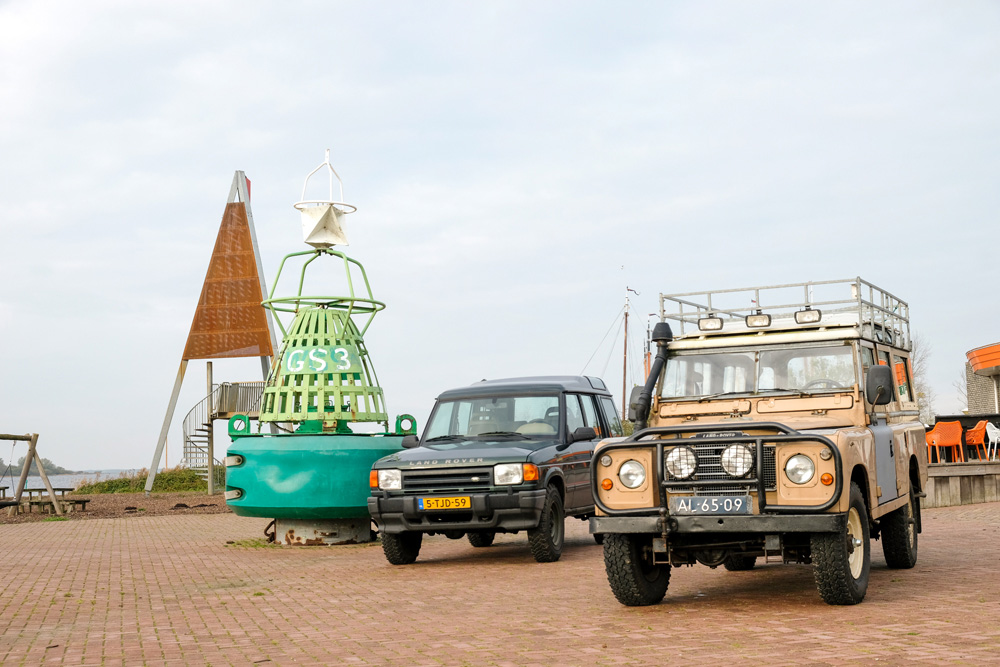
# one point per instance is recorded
(65, 481)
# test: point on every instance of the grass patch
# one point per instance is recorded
(56, 518)
(172, 480)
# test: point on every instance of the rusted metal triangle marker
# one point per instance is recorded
(229, 321)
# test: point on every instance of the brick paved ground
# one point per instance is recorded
(170, 590)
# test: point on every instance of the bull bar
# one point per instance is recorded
(783, 434)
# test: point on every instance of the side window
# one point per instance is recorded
(574, 415)
(611, 414)
(590, 413)
(867, 359)
(902, 373)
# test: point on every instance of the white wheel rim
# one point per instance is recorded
(856, 560)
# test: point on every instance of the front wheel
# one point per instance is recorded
(843, 559)
(635, 580)
(547, 539)
(403, 548)
(899, 535)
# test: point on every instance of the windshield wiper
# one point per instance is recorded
(441, 438)
(778, 389)
(503, 433)
(721, 393)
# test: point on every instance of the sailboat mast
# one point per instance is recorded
(625, 358)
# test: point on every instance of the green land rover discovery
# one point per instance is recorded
(498, 456)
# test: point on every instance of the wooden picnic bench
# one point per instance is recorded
(44, 505)
(61, 491)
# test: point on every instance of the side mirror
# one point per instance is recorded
(410, 441)
(583, 433)
(633, 403)
(878, 385)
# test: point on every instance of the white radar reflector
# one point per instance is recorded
(322, 226)
(322, 219)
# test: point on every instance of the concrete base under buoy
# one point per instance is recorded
(322, 532)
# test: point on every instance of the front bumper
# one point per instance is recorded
(762, 524)
(503, 512)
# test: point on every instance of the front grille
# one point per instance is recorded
(709, 455)
(447, 480)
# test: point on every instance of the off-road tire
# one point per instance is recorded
(842, 567)
(482, 538)
(739, 562)
(401, 548)
(547, 539)
(628, 561)
(899, 535)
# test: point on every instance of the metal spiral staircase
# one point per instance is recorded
(227, 399)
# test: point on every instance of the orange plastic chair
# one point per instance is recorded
(945, 435)
(976, 437)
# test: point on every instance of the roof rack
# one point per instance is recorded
(853, 302)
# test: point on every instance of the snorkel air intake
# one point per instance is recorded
(661, 336)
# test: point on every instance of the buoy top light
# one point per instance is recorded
(322, 226)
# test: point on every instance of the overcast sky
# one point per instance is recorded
(515, 166)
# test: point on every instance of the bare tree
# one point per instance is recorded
(920, 354)
(961, 386)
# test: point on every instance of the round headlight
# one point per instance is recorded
(681, 462)
(800, 469)
(737, 460)
(632, 474)
(605, 460)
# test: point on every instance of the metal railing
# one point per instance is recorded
(885, 316)
(226, 398)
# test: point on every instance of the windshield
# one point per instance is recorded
(800, 370)
(520, 416)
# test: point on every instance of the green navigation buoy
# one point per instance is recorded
(322, 402)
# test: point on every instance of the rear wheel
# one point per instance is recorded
(899, 534)
(843, 559)
(482, 539)
(739, 562)
(402, 548)
(635, 580)
(547, 539)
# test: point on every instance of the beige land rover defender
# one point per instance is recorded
(779, 424)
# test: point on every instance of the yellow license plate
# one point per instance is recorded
(453, 503)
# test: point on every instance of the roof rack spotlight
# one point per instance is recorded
(758, 320)
(711, 323)
(808, 316)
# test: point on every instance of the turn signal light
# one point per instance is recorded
(530, 472)
(606, 484)
(373, 479)
(827, 479)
